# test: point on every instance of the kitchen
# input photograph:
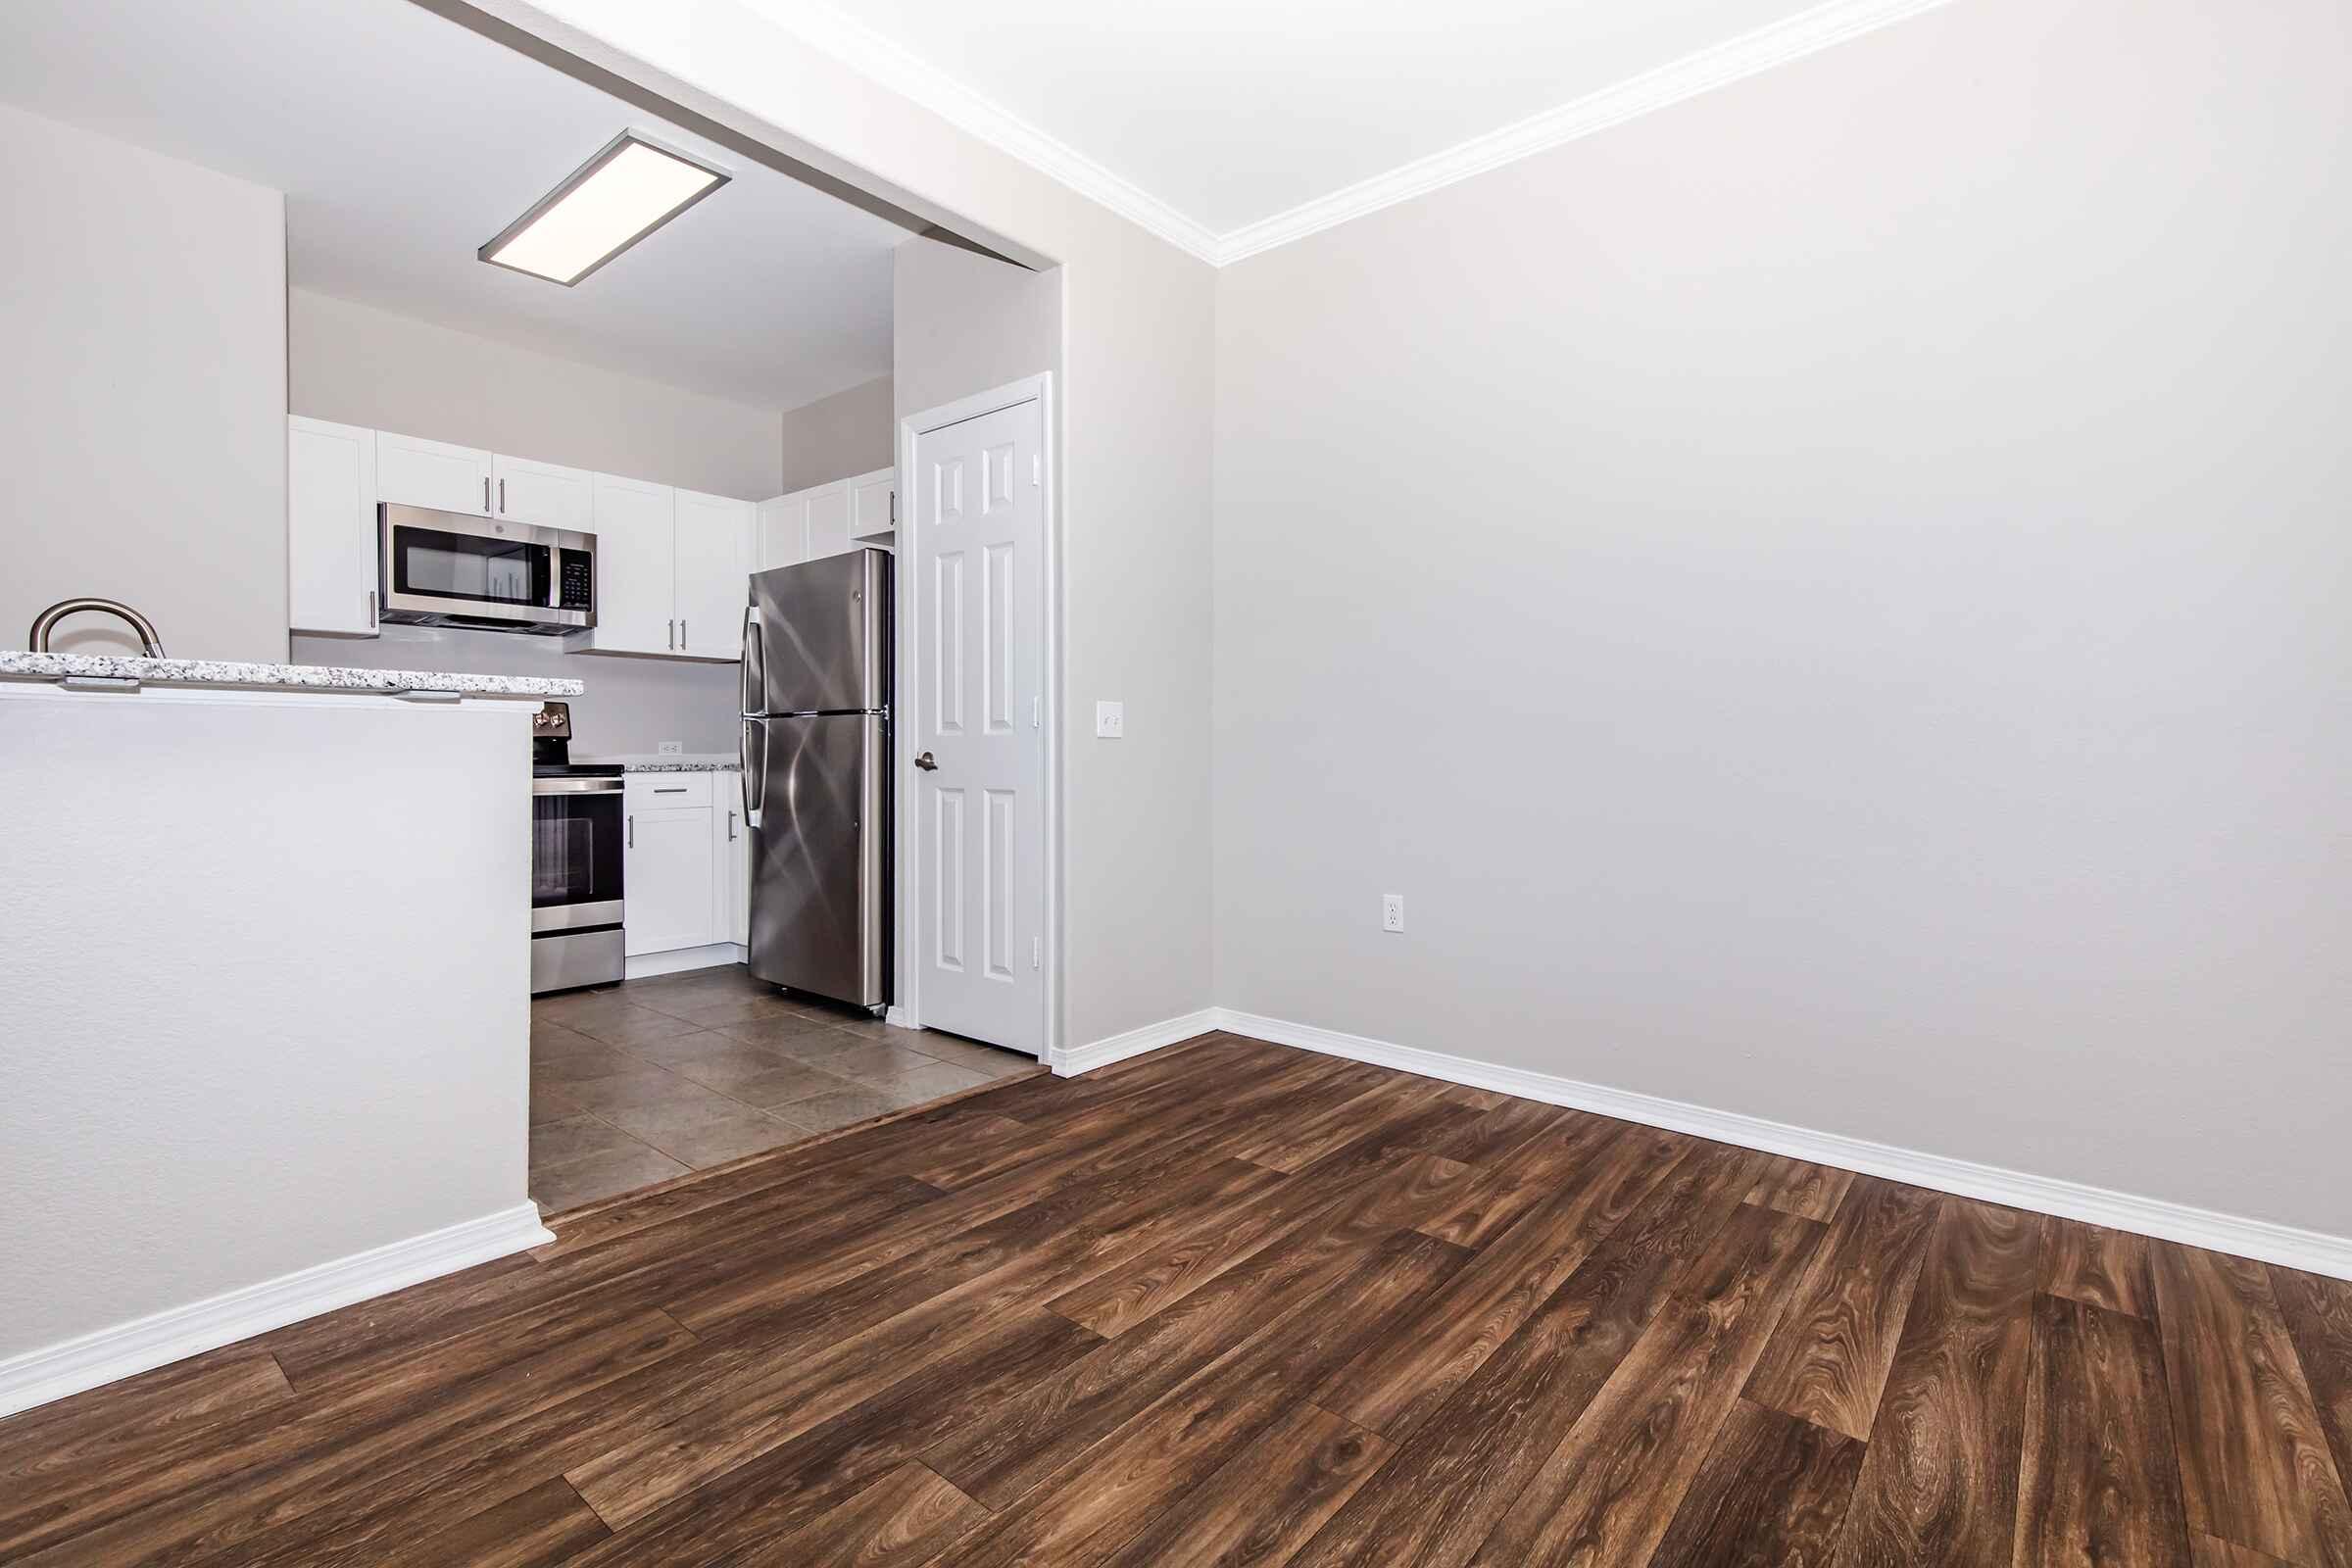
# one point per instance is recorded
(389, 503)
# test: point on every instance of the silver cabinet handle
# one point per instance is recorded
(681, 631)
(673, 634)
(632, 830)
(674, 789)
(501, 498)
(372, 609)
(485, 492)
(730, 827)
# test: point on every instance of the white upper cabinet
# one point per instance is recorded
(828, 520)
(418, 472)
(635, 527)
(781, 532)
(714, 544)
(542, 493)
(873, 503)
(330, 528)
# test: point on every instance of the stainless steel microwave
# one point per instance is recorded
(452, 569)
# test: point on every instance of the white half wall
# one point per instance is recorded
(143, 408)
(1829, 603)
(266, 1005)
(356, 364)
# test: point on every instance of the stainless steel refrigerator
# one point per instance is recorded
(816, 685)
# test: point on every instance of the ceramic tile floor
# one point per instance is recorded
(636, 1083)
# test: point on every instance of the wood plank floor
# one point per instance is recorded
(1236, 1304)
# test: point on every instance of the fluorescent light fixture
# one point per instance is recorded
(610, 202)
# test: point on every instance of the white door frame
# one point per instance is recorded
(906, 1007)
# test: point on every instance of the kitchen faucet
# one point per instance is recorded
(150, 643)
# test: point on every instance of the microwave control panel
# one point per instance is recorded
(578, 588)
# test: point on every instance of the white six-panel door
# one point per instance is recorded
(976, 587)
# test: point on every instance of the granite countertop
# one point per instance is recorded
(672, 764)
(301, 677)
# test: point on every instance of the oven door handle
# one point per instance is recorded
(575, 786)
(751, 793)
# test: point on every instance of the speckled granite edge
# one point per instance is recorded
(671, 765)
(304, 677)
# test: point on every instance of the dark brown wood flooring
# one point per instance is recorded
(1237, 1304)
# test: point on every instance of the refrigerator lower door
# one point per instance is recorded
(820, 865)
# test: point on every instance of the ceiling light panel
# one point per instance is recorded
(626, 191)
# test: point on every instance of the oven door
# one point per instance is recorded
(575, 855)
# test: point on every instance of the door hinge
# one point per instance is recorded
(1037, 953)
(1036, 467)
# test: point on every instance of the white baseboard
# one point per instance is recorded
(2310, 1251)
(646, 965)
(1073, 1059)
(54, 1371)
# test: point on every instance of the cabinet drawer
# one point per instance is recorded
(655, 792)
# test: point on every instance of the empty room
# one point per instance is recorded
(1324, 785)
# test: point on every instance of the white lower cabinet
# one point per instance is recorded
(731, 851)
(668, 874)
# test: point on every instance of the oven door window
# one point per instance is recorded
(462, 566)
(576, 849)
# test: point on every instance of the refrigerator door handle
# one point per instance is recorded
(754, 669)
(752, 792)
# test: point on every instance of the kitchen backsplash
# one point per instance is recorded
(632, 704)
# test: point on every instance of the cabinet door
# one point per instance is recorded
(828, 520)
(872, 501)
(542, 493)
(714, 537)
(330, 528)
(666, 872)
(731, 851)
(418, 472)
(781, 532)
(635, 574)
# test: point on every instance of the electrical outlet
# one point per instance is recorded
(1391, 912)
(670, 748)
(1111, 721)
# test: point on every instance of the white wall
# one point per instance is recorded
(360, 365)
(1137, 386)
(143, 408)
(1830, 601)
(264, 998)
(838, 438)
(632, 704)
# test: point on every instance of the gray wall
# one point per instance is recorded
(632, 704)
(849, 433)
(360, 365)
(1830, 601)
(962, 322)
(143, 406)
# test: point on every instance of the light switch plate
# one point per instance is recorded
(670, 748)
(1111, 721)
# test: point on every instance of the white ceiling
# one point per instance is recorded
(1228, 125)
(403, 143)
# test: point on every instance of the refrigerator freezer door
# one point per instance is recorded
(820, 632)
(820, 871)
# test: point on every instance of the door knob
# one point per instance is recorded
(925, 764)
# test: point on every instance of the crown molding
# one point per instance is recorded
(867, 52)
(863, 50)
(1807, 33)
